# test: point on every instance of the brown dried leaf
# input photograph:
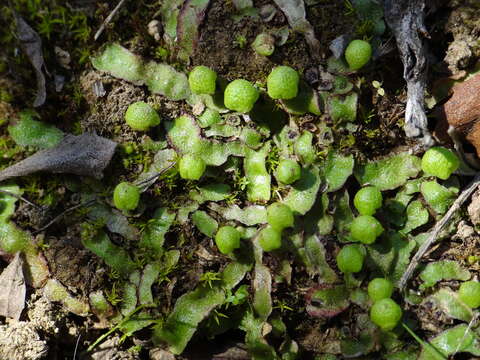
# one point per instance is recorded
(86, 155)
(12, 289)
(462, 111)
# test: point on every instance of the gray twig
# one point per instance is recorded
(108, 19)
(58, 217)
(474, 184)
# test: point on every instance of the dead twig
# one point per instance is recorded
(108, 19)
(9, 193)
(58, 217)
(156, 175)
(437, 228)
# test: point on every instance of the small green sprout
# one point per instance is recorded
(368, 200)
(264, 44)
(380, 288)
(240, 95)
(288, 171)
(366, 229)
(350, 259)
(202, 80)
(386, 314)
(282, 83)
(358, 53)
(270, 238)
(227, 239)
(191, 167)
(140, 116)
(469, 293)
(279, 216)
(126, 196)
(209, 277)
(440, 162)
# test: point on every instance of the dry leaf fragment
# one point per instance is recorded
(32, 46)
(86, 155)
(12, 289)
(462, 111)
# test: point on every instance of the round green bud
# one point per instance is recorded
(240, 95)
(191, 167)
(304, 148)
(202, 80)
(469, 293)
(379, 289)
(440, 162)
(288, 171)
(350, 259)
(282, 83)
(279, 216)
(386, 314)
(368, 200)
(264, 44)
(126, 196)
(227, 239)
(140, 116)
(358, 53)
(366, 229)
(270, 238)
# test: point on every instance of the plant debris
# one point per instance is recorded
(31, 44)
(13, 289)
(85, 155)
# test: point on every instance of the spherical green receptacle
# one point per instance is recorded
(469, 293)
(270, 238)
(191, 167)
(440, 162)
(368, 200)
(264, 44)
(227, 239)
(386, 314)
(358, 54)
(126, 196)
(202, 80)
(280, 216)
(282, 83)
(366, 229)
(379, 289)
(288, 171)
(141, 116)
(350, 259)
(240, 95)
